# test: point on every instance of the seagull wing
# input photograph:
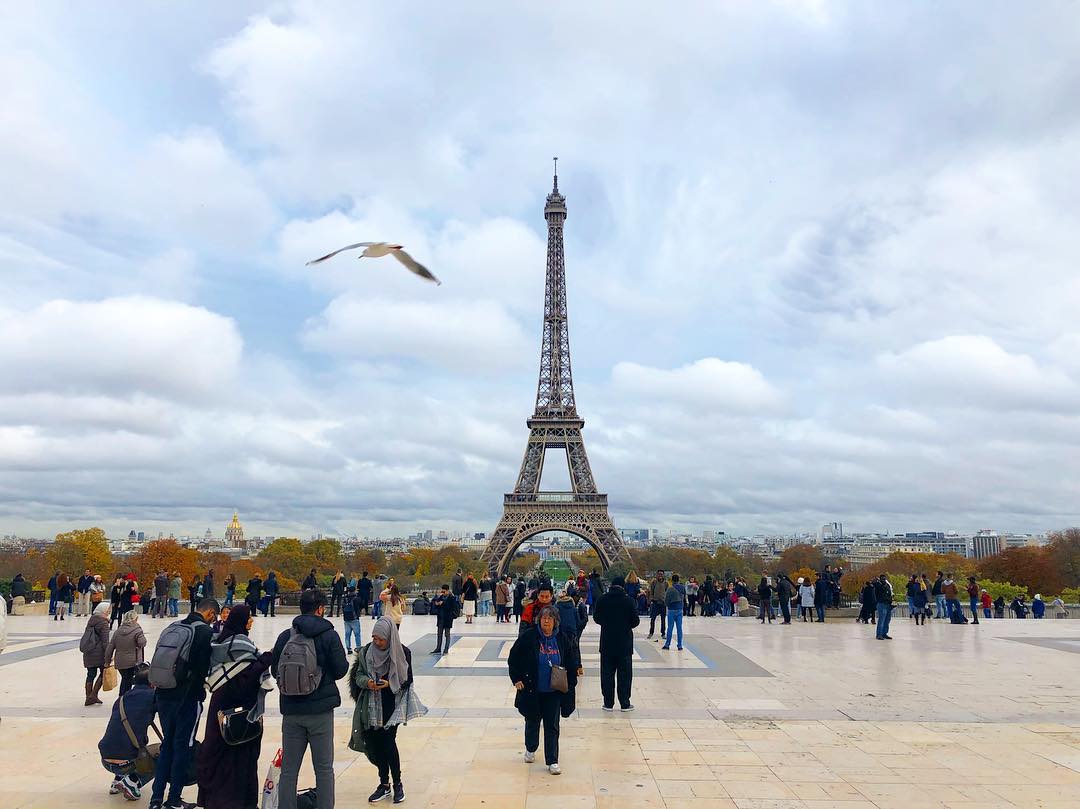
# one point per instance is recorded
(412, 265)
(342, 250)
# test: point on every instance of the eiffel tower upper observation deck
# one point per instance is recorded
(555, 424)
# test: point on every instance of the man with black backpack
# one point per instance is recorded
(178, 672)
(308, 660)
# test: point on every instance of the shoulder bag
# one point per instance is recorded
(146, 758)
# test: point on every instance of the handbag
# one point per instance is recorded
(146, 757)
(236, 728)
(109, 678)
(559, 681)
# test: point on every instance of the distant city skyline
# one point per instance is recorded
(820, 259)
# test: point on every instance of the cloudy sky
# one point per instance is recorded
(822, 262)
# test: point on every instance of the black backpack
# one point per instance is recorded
(348, 609)
(169, 666)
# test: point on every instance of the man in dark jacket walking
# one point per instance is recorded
(309, 719)
(363, 594)
(179, 709)
(446, 608)
(617, 615)
(785, 591)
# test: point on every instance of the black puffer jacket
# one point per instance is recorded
(330, 655)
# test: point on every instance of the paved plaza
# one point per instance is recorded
(807, 715)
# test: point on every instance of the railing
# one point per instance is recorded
(556, 497)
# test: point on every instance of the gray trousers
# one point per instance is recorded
(297, 733)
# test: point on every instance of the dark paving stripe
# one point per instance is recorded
(8, 658)
(720, 660)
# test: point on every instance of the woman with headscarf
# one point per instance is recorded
(381, 684)
(94, 642)
(125, 649)
(228, 774)
(536, 652)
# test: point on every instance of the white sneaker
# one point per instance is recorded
(529, 757)
(554, 769)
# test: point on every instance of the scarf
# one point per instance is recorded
(230, 653)
(387, 664)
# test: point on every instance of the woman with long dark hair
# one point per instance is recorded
(228, 774)
(393, 603)
(381, 684)
(470, 591)
(64, 590)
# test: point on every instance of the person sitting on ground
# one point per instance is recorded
(421, 605)
(117, 751)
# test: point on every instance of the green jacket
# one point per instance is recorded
(406, 704)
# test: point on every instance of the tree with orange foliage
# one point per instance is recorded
(1035, 568)
(163, 554)
(801, 557)
(901, 563)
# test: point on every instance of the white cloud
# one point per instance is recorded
(460, 335)
(708, 384)
(974, 371)
(119, 346)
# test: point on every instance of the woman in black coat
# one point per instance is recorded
(228, 774)
(115, 595)
(534, 653)
(519, 598)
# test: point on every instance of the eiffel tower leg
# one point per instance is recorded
(498, 547)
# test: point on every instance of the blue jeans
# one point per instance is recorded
(352, 629)
(179, 722)
(951, 606)
(974, 605)
(229, 597)
(674, 619)
(986, 612)
(820, 608)
(884, 615)
(376, 608)
(174, 607)
(942, 607)
(911, 607)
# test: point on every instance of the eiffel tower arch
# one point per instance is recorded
(555, 424)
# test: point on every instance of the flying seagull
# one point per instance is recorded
(380, 249)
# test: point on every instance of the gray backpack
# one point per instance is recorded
(169, 666)
(298, 668)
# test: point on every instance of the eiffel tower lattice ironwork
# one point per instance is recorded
(555, 424)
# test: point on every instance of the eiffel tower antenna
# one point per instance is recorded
(555, 424)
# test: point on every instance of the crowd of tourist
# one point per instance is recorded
(209, 653)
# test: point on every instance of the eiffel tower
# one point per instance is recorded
(554, 425)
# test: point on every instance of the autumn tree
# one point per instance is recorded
(77, 550)
(1035, 568)
(163, 554)
(801, 557)
(325, 555)
(372, 561)
(287, 556)
(902, 563)
(524, 564)
(1064, 550)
